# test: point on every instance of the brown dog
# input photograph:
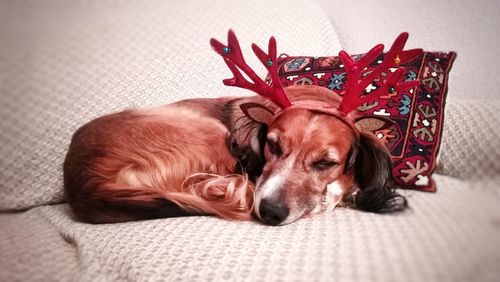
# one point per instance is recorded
(203, 156)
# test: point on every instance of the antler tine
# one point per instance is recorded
(353, 71)
(394, 57)
(353, 97)
(234, 59)
(270, 61)
(389, 58)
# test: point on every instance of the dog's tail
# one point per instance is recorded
(229, 197)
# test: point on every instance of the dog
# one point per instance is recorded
(278, 156)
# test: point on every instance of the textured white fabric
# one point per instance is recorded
(66, 62)
(32, 249)
(470, 147)
(451, 235)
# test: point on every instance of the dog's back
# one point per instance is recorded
(133, 164)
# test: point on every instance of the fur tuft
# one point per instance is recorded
(230, 197)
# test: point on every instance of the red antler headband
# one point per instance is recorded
(354, 94)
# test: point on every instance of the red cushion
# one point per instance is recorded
(410, 123)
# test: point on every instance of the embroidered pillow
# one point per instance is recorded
(409, 123)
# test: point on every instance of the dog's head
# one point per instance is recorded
(314, 160)
(314, 153)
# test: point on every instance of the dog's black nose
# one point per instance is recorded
(272, 213)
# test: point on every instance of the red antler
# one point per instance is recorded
(354, 95)
(234, 59)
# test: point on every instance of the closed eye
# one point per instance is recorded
(324, 164)
(274, 147)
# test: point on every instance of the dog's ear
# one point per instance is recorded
(257, 112)
(373, 173)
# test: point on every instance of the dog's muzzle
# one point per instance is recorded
(273, 213)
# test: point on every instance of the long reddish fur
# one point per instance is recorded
(162, 162)
(135, 158)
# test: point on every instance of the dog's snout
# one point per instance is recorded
(273, 213)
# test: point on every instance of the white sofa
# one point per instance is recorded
(63, 63)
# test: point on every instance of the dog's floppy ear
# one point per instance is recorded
(373, 173)
(257, 112)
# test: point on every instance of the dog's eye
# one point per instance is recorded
(324, 164)
(274, 147)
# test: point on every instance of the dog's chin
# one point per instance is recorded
(293, 216)
(310, 209)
